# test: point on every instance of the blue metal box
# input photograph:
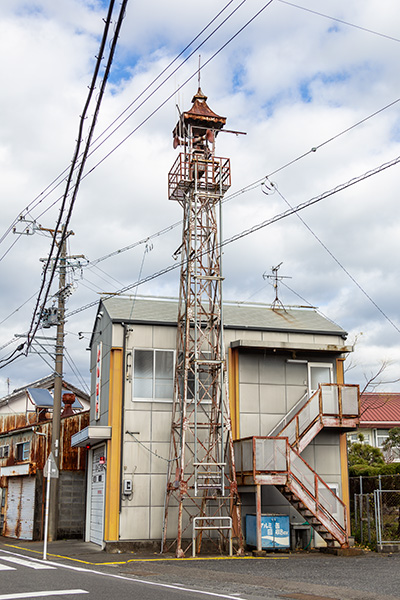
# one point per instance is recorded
(275, 531)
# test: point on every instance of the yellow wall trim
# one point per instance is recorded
(344, 468)
(113, 481)
(233, 357)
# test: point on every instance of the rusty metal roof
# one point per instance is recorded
(200, 109)
(200, 115)
(379, 409)
(257, 317)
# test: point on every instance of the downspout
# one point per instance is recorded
(122, 413)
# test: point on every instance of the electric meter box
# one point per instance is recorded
(275, 531)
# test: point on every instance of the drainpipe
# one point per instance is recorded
(122, 414)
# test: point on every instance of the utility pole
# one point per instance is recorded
(51, 317)
(58, 378)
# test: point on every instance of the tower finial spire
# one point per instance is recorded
(198, 72)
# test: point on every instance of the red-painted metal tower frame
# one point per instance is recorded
(201, 479)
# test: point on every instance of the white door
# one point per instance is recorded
(319, 373)
(20, 508)
(98, 488)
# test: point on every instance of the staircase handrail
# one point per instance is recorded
(275, 456)
(289, 416)
(315, 497)
(295, 419)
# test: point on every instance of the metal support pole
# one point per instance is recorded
(46, 517)
(361, 507)
(368, 518)
(258, 517)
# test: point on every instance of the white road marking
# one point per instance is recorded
(6, 568)
(26, 563)
(41, 594)
(133, 580)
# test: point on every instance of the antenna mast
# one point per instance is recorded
(276, 279)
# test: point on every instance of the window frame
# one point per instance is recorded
(24, 454)
(367, 437)
(153, 398)
(378, 437)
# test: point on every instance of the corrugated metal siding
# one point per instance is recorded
(20, 508)
(71, 459)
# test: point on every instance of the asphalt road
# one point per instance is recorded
(27, 577)
(312, 576)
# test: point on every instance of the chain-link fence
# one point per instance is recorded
(375, 510)
(363, 519)
(387, 517)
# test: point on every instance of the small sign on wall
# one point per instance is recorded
(98, 381)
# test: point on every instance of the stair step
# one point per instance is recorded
(326, 536)
(321, 529)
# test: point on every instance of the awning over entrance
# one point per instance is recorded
(91, 435)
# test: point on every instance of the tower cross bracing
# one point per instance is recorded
(201, 480)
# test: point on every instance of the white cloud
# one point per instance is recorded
(291, 80)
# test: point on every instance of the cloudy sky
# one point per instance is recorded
(294, 77)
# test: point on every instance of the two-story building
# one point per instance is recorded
(277, 360)
(25, 444)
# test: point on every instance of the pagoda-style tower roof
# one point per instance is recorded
(200, 116)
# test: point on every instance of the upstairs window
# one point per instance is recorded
(153, 374)
(22, 451)
(4, 451)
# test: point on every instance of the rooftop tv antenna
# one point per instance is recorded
(276, 279)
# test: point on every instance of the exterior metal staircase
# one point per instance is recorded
(275, 459)
(333, 405)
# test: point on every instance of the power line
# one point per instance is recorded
(166, 100)
(75, 370)
(243, 190)
(194, 74)
(135, 244)
(64, 233)
(257, 227)
(250, 186)
(247, 232)
(338, 262)
(110, 277)
(256, 183)
(17, 309)
(54, 183)
(388, 37)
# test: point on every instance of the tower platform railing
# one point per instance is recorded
(212, 175)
